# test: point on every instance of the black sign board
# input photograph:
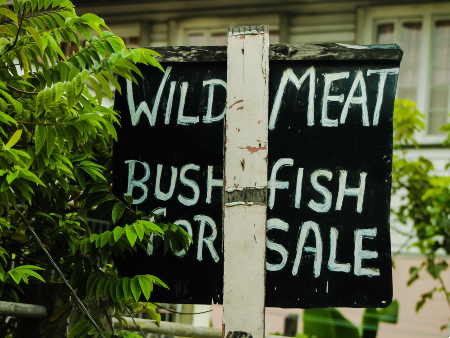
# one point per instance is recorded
(330, 153)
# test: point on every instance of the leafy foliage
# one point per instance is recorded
(55, 159)
(425, 201)
(332, 324)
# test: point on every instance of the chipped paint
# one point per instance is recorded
(254, 149)
(245, 197)
(238, 101)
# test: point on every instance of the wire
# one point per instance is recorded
(181, 313)
(72, 291)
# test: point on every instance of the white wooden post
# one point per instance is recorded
(245, 181)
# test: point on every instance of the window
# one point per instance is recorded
(440, 76)
(132, 42)
(423, 33)
(410, 43)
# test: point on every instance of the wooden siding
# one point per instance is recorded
(158, 34)
(323, 28)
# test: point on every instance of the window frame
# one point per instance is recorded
(434, 20)
(181, 29)
(207, 33)
(368, 19)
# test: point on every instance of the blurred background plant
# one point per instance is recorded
(55, 166)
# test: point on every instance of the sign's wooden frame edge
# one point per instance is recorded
(286, 52)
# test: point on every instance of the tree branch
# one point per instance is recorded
(107, 315)
(24, 257)
(447, 294)
(38, 14)
(20, 90)
(18, 32)
(61, 275)
(143, 334)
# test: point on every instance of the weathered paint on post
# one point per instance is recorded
(245, 180)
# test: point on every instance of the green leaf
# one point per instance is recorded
(106, 288)
(118, 231)
(15, 276)
(145, 286)
(104, 238)
(100, 287)
(71, 243)
(130, 335)
(58, 313)
(328, 323)
(159, 282)
(139, 228)
(135, 288)
(14, 139)
(6, 30)
(119, 291)
(6, 118)
(131, 234)
(9, 14)
(118, 211)
(97, 89)
(129, 199)
(51, 135)
(90, 281)
(105, 86)
(40, 135)
(127, 287)
(390, 313)
(76, 274)
(112, 79)
(370, 323)
(37, 38)
(85, 245)
(112, 290)
(93, 18)
(105, 251)
(136, 55)
(93, 289)
(77, 328)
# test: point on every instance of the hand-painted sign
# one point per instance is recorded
(330, 153)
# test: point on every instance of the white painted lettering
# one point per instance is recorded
(169, 102)
(332, 265)
(383, 75)
(310, 225)
(143, 107)
(210, 183)
(289, 75)
(158, 212)
(273, 184)
(185, 224)
(181, 118)
(189, 183)
(329, 78)
(361, 254)
(298, 190)
(208, 240)
(326, 205)
(362, 100)
(132, 183)
(345, 191)
(209, 118)
(158, 193)
(276, 223)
